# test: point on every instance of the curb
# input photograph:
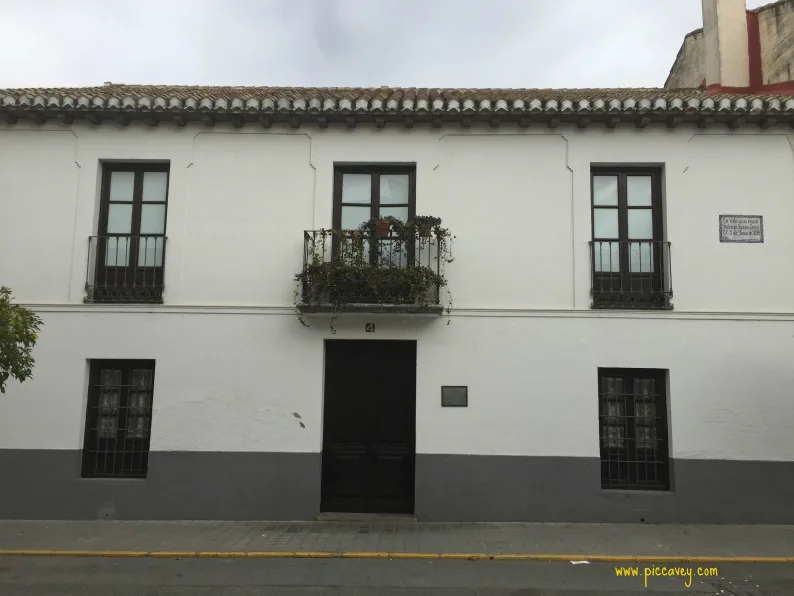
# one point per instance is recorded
(396, 555)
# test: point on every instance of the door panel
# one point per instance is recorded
(369, 426)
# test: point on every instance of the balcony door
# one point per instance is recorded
(628, 249)
(130, 245)
(362, 193)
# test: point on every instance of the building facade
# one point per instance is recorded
(615, 342)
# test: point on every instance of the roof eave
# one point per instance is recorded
(154, 110)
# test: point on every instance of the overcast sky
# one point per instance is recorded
(425, 43)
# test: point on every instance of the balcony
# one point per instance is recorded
(632, 274)
(366, 271)
(125, 269)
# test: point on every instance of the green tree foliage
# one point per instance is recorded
(19, 329)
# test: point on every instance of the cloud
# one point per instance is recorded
(433, 43)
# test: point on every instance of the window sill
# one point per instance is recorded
(633, 492)
(603, 304)
(415, 309)
(116, 478)
(123, 294)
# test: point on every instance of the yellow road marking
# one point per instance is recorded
(395, 555)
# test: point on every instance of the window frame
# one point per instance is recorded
(375, 170)
(623, 208)
(134, 274)
(627, 459)
(139, 169)
(95, 447)
(625, 279)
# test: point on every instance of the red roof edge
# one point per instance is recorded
(783, 88)
(756, 86)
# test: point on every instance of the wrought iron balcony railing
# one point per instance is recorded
(633, 274)
(125, 269)
(360, 271)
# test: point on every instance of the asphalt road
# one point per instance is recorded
(61, 576)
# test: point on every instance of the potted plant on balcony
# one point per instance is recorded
(383, 227)
(424, 224)
(362, 272)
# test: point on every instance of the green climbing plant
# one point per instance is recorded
(383, 263)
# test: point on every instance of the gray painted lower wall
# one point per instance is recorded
(46, 484)
(568, 489)
(41, 484)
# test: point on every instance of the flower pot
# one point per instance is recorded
(315, 296)
(382, 228)
(424, 230)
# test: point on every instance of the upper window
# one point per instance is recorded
(128, 252)
(118, 419)
(134, 205)
(633, 429)
(362, 193)
(629, 257)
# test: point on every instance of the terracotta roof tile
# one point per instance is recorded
(213, 93)
(169, 100)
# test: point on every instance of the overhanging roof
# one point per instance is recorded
(408, 106)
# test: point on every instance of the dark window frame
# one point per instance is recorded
(625, 279)
(623, 467)
(622, 173)
(133, 274)
(375, 170)
(139, 169)
(122, 456)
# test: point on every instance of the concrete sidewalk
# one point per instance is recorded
(594, 542)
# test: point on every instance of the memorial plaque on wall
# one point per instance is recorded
(742, 228)
(454, 396)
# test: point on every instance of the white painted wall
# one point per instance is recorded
(232, 381)
(519, 204)
(233, 364)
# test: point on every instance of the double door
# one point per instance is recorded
(369, 445)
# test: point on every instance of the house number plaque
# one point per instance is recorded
(742, 228)
(369, 327)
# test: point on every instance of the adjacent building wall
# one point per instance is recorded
(776, 28)
(689, 69)
(725, 34)
(776, 34)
